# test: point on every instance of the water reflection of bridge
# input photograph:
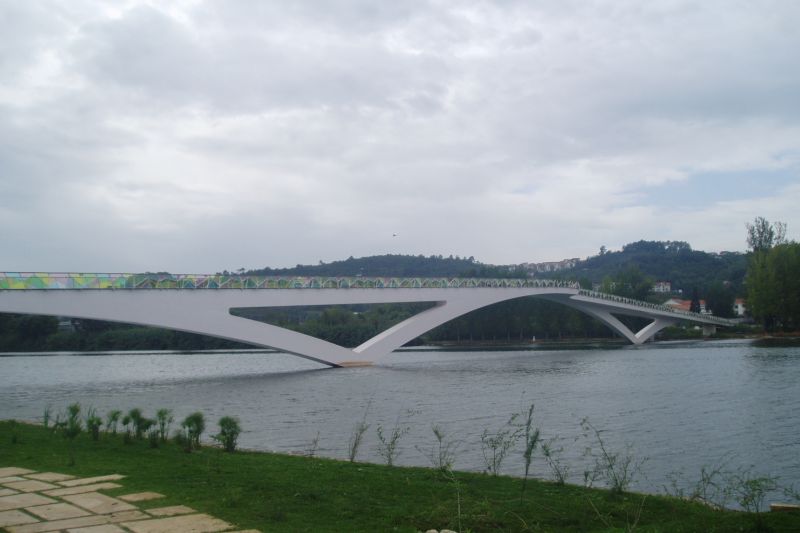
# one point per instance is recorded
(202, 304)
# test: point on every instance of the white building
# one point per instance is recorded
(662, 286)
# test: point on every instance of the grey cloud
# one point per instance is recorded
(264, 132)
(232, 72)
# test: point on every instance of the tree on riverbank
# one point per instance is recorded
(773, 276)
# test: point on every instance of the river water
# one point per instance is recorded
(678, 406)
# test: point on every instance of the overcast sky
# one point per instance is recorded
(196, 136)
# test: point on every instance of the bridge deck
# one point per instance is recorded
(150, 281)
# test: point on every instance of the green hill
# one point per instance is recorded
(672, 261)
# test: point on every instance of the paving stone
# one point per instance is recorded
(49, 476)
(125, 516)
(18, 501)
(7, 492)
(141, 496)
(14, 471)
(106, 528)
(57, 511)
(172, 510)
(30, 485)
(15, 518)
(98, 503)
(89, 480)
(81, 489)
(194, 523)
(58, 525)
(11, 479)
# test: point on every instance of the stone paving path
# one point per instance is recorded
(40, 502)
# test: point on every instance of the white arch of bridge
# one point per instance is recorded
(208, 312)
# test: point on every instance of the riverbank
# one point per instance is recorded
(275, 492)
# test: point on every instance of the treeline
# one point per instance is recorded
(394, 265)
(29, 333)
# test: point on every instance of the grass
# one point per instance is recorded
(274, 492)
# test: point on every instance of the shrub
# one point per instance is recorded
(194, 425)
(136, 418)
(229, 430)
(93, 423)
(154, 437)
(112, 419)
(46, 416)
(164, 418)
(126, 423)
(72, 424)
(182, 440)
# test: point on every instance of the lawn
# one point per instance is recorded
(274, 492)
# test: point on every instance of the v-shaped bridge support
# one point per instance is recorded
(207, 311)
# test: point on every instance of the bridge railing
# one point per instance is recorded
(657, 307)
(122, 281)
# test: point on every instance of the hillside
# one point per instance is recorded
(672, 261)
(392, 265)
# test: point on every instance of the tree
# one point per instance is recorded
(720, 300)
(694, 307)
(773, 286)
(632, 283)
(762, 235)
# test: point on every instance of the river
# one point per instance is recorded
(678, 406)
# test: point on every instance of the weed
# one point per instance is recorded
(617, 469)
(710, 489)
(387, 447)
(748, 490)
(450, 476)
(552, 456)
(313, 446)
(46, 416)
(495, 446)
(229, 430)
(443, 454)
(357, 436)
(531, 435)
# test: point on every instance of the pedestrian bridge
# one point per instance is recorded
(202, 304)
